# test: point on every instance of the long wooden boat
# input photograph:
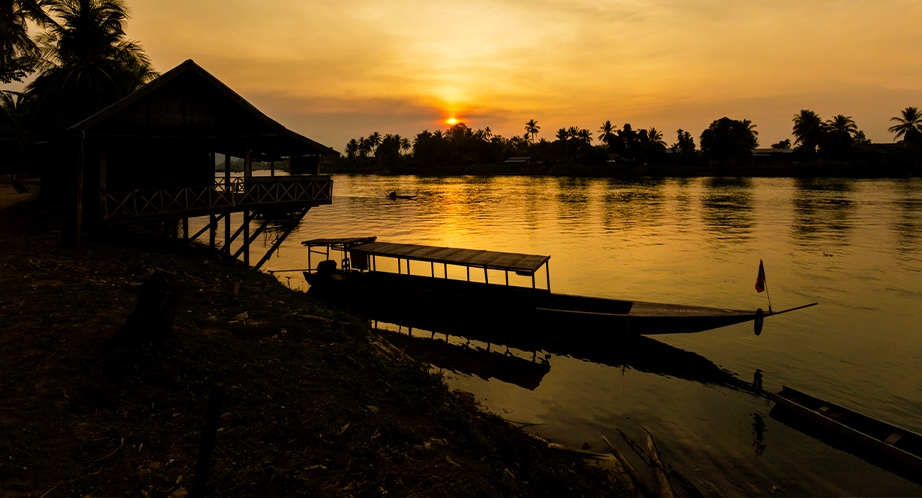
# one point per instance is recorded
(359, 279)
(887, 440)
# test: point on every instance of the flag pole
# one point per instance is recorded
(769, 296)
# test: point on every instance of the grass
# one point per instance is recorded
(315, 402)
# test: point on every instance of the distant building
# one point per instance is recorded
(518, 160)
(772, 153)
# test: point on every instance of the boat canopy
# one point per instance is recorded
(526, 264)
(338, 243)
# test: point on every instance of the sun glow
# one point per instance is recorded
(451, 121)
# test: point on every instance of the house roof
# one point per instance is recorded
(187, 102)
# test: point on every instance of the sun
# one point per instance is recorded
(451, 121)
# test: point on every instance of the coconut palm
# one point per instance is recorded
(842, 124)
(87, 62)
(364, 147)
(909, 124)
(374, 140)
(656, 137)
(840, 137)
(532, 128)
(606, 132)
(808, 130)
(749, 127)
(352, 147)
(18, 52)
(405, 145)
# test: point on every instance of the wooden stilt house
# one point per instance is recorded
(150, 157)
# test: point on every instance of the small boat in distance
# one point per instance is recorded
(897, 445)
(359, 279)
(394, 196)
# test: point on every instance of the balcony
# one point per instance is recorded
(226, 195)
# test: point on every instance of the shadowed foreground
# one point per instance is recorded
(314, 402)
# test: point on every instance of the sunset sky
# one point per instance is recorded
(335, 70)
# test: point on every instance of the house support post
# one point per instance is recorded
(246, 237)
(212, 229)
(228, 191)
(74, 240)
(103, 167)
(281, 239)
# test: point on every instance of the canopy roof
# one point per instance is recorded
(508, 261)
(187, 102)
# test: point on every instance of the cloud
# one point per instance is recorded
(357, 66)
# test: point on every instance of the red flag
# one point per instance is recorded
(760, 280)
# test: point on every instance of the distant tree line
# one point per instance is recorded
(834, 146)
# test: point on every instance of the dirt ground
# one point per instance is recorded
(314, 402)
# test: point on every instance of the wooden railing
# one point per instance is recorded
(238, 194)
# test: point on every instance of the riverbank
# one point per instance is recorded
(314, 402)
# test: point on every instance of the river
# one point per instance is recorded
(854, 246)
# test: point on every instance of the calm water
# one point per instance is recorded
(853, 246)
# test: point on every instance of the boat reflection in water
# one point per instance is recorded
(484, 362)
(637, 352)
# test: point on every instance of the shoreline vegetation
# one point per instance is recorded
(728, 147)
(106, 396)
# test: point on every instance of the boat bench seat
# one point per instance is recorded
(893, 438)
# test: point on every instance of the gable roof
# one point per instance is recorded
(188, 102)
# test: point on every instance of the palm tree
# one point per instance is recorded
(749, 126)
(364, 147)
(87, 62)
(532, 128)
(405, 144)
(656, 137)
(374, 140)
(352, 147)
(842, 124)
(606, 132)
(18, 52)
(840, 132)
(808, 130)
(909, 125)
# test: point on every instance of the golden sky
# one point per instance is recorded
(334, 70)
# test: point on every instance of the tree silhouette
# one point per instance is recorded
(808, 131)
(18, 52)
(374, 140)
(685, 143)
(784, 144)
(839, 137)
(606, 133)
(532, 129)
(909, 125)
(729, 140)
(352, 147)
(87, 63)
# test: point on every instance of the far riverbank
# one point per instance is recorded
(627, 171)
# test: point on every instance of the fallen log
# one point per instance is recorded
(638, 480)
(662, 480)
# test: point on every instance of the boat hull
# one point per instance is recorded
(475, 302)
(898, 445)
